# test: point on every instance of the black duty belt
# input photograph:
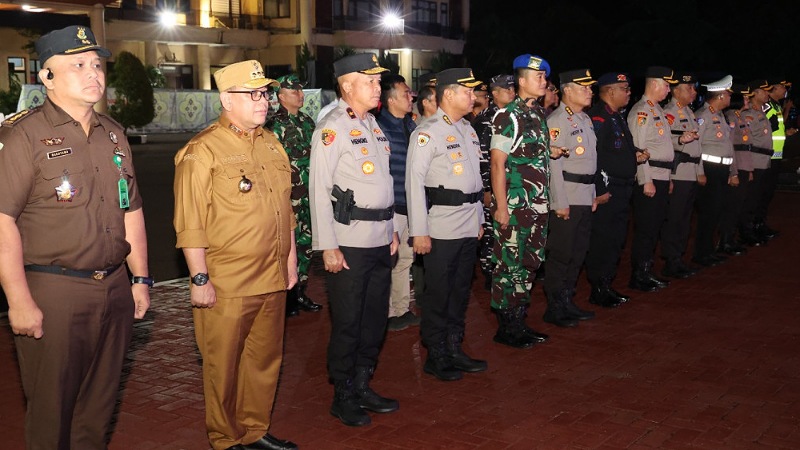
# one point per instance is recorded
(761, 150)
(742, 147)
(451, 197)
(683, 157)
(58, 270)
(661, 164)
(618, 181)
(579, 177)
(401, 209)
(368, 214)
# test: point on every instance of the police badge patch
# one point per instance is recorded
(328, 136)
(423, 139)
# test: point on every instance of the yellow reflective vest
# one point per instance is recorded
(779, 134)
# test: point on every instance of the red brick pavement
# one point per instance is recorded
(710, 362)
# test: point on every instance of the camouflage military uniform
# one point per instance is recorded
(521, 132)
(483, 127)
(294, 132)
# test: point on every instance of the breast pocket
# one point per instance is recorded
(365, 157)
(62, 180)
(282, 173)
(240, 182)
(457, 160)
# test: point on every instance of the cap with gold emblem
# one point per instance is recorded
(760, 84)
(685, 78)
(68, 41)
(428, 79)
(528, 61)
(612, 78)
(366, 63)
(461, 75)
(743, 89)
(723, 84)
(248, 74)
(665, 73)
(582, 77)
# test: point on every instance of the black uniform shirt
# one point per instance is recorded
(616, 154)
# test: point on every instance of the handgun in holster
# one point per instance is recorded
(343, 206)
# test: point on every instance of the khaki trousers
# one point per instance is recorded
(241, 342)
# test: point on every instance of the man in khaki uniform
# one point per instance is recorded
(761, 152)
(687, 173)
(352, 206)
(651, 132)
(719, 167)
(444, 191)
(572, 197)
(234, 221)
(70, 219)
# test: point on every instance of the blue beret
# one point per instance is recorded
(529, 61)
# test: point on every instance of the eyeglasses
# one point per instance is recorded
(254, 95)
(552, 89)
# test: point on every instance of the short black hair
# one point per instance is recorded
(389, 82)
(425, 93)
(440, 88)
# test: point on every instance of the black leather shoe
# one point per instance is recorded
(441, 368)
(706, 261)
(642, 284)
(270, 442)
(750, 240)
(562, 321)
(720, 258)
(306, 304)
(618, 295)
(236, 447)
(730, 248)
(292, 306)
(535, 335)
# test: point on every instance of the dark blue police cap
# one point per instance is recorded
(366, 63)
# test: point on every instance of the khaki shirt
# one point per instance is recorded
(651, 131)
(40, 150)
(352, 154)
(740, 135)
(715, 134)
(760, 135)
(247, 234)
(681, 119)
(443, 153)
(576, 132)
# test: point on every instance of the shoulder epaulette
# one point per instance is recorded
(17, 117)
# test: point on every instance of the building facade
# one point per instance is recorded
(189, 40)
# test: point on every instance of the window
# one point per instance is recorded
(277, 8)
(423, 11)
(445, 18)
(34, 66)
(16, 69)
(363, 9)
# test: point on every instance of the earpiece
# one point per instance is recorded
(49, 74)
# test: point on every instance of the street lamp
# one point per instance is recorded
(168, 19)
(393, 24)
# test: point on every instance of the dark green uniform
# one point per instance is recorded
(521, 132)
(294, 132)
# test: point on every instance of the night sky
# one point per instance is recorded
(711, 37)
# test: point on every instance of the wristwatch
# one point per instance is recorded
(200, 279)
(143, 280)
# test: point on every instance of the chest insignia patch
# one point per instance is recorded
(423, 139)
(53, 141)
(451, 138)
(579, 150)
(458, 169)
(364, 151)
(59, 153)
(328, 136)
(113, 137)
(641, 120)
(554, 132)
(355, 132)
(670, 119)
(368, 167)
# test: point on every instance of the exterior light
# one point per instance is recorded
(393, 23)
(168, 19)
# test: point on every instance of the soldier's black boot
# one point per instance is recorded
(345, 405)
(573, 310)
(292, 307)
(556, 312)
(439, 364)
(511, 330)
(520, 313)
(640, 279)
(304, 301)
(459, 359)
(674, 268)
(648, 270)
(763, 231)
(728, 246)
(601, 296)
(366, 397)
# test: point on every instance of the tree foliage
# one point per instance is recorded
(134, 105)
(10, 98)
